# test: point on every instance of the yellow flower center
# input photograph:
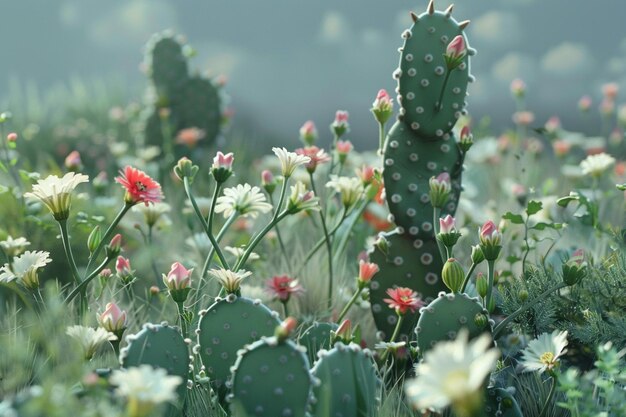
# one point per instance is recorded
(547, 358)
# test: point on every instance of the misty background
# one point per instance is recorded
(288, 61)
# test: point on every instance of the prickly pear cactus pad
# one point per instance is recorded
(422, 74)
(227, 326)
(349, 385)
(161, 346)
(272, 379)
(501, 403)
(409, 163)
(165, 63)
(197, 105)
(315, 338)
(443, 318)
(411, 263)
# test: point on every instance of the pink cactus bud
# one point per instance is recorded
(383, 101)
(154, 290)
(518, 88)
(341, 117)
(289, 324)
(267, 177)
(489, 235)
(178, 278)
(344, 147)
(122, 266)
(223, 161)
(73, 161)
(610, 91)
(12, 137)
(116, 243)
(308, 133)
(366, 173)
(456, 49)
(584, 104)
(344, 331)
(113, 318)
(105, 273)
(553, 124)
(367, 270)
(447, 224)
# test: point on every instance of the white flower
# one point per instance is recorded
(239, 251)
(145, 387)
(230, 280)
(289, 161)
(56, 193)
(154, 213)
(350, 188)
(14, 247)
(452, 372)
(302, 199)
(89, 339)
(392, 346)
(595, 165)
(248, 201)
(543, 353)
(25, 268)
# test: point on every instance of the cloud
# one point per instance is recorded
(567, 59)
(497, 29)
(334, 28)
(514, 65)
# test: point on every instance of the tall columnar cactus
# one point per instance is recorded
(161, 346)
(349, 384)
(227, 326)
(420, 145)
(271, 378)
(191, 101)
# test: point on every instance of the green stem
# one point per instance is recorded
(329, 248)
(280, 239)
(440, 246)
(355, 218)
(83, 285)
(155, 270)
(381, 138)
(68, 250)
(527, 251)
(14, 176)
(242, 261)
(183, 320)
(443, 88)
(205, 226)
(352, 301)
(467, 277)
(209, 258)
(285, 310)
(502, 325)
(396, 331)
(320, 243)
(490, 273)
(107, 235)
(544, 409)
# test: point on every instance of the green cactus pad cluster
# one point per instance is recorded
(161, 346)
(349, 385)
(271, 378)
(501, 403)
(442, 320)
(422, 73)
(227, 326)
(316, 337)
(191, 101)
(400, 268)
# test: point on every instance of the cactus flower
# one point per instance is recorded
(316, 155)
(366, 271)
(73, 161)
(113, 318)
(584, 104)
(178, 278)
(366, 174)
(289, 161)
(190, 136)
(596, 165)
(344, 147)
(308, 133)
(447, 224)
(230, 280)
(455, 52)
(382, 107)
(12, 137)
(518, 88)
(282, 287)
(490, 240)
(302, 199)
(56, 193)
(340, 125)
(466, 139)
(344, 331)
(440, 188)
(139, 186)
(403, 299)
(222, 167)
(123, 270)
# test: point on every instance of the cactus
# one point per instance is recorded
(162, 346)
(443, 318)
(192, 101)
(271, 378)
(501, 403)
(227, 326)
(420, 145)
(316, 338)
(349, 383)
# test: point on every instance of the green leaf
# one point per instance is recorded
(512, 259)
(564, 201)
(533, 207)
(543, 226)
(514, 218)
(3, 167)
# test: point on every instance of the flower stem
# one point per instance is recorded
(183, 320)
(68, 250)
(106, 236)
(490, 273)
(280, 238)
(467, 277)
(352, 301)
(440, 246)
(320, 243)
(285, 310)
(255, 241)
(344, 239)
(329, 248)
(155, 270)
(381, 138)
(396, 331)
(443, 88)
(544, 409)
(209, 258)
(83, 285)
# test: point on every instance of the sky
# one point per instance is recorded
(288, 61)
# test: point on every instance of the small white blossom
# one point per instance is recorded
(543, 353)
(595, 165)
(13, 247)
(230, 280)
(90, 339)
(350, 188)
(289, 161)
(56, 193)
(154, 213)
(302, 199)
(248, 201)
(239, 251)
(25, 268)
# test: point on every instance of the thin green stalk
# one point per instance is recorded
(443, 88)
(490, 273)
(527, 249)
(502, 325)
(320, 243)
(440, 246)
(280, 238)
(352, 301)
(107, 235)
(381, 138)
(183, 320)
(344, 238)
(242, 261)
(205, 226)
(285, 310)
(83, 285)
(220, 235)
(467, 277)
(396, 331)
(155, 270)
(544, 409)
(68, 250)
(329, 248)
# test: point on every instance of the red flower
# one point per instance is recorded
(403, 299)
(281, 287)
(140, 188)
(317, 155)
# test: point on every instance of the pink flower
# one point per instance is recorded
(344, 147)
(341, 117)
(382, 107)
(223, 161)
(122, 265)
(607, 107)
(447, 224)
(489, 235)
(523, 118)
(584, 104)
(178, 278)
(553, 124)
(577, 257)
(610, 91)
(113, 319)
(105, 273)
(116, 242)
(12, 137)
(456, 48)
(340, 126)
(282, 287)
(518, 88)
(561, 147)
(366, 174)
(189, 136)
(308, 132)
(289, 324)
(403, 299)
(73, 161)
(140, 188)
(367, 270)
(344, 331)
(317, 156)
(267, 177)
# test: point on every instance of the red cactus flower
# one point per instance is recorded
(403, 299)
(282, 287)
(140, 188)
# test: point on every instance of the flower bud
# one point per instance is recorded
(73, 161)
(481, 320)
(105, 273)
(466, 139)
(455, 52)
(584, 104)
(340, 125)
(185, 169)
(93, 241)
(267, 181)
(447, 232)
(343, 149)
(482, 286)
(477, 255)
(222, 167)
(308, 133)
(518, 88)
(522, 295)
(575, 269)
(366, 271)
(490, 240)
(343, 332)
(382, 244)
(113, 319)
(440, 188)
(154, 290)
(453, 275)
(124, 271)
(382, 108)
(114, 247)
(12, 137)
(178, 281)
(366, 173)
(285, 329)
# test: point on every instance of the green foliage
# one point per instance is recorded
(316, 338)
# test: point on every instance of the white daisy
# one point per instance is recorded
(248, 201)
(302, 199)
(89, 339)
(230, 280)
(595, 165)
(239, 251)
(543, 353)
(289, 161)
(13, 247)
(56, 193)
(145, 387)
(452, 373)
(154, 213)
(25, 267)
(350, 188)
